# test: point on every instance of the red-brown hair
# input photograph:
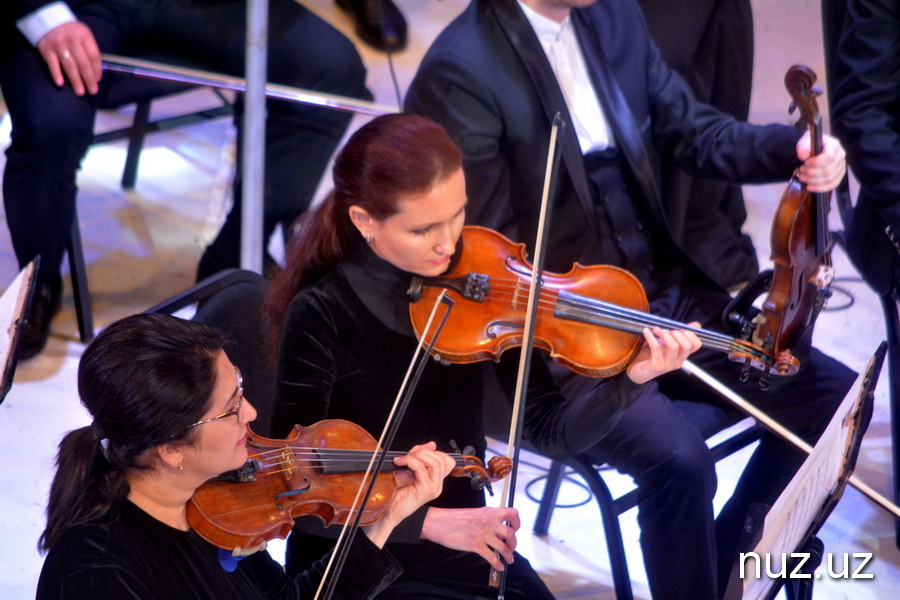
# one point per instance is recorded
(390, 158)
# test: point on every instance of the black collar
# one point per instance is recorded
(381, 287)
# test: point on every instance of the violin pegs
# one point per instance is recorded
(745, 372)
(479, 482)
(764, 381)
(414, 293)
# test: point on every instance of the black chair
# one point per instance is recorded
(118, 92)
(611, 507)
(232, 301)
(142, 93)
(833, 13)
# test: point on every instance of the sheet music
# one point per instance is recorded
(789, 521)
(13, 303)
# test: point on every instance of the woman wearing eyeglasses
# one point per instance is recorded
(169, 414)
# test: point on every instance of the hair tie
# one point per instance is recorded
(98, 431)
(101, 437)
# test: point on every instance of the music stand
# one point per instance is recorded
(13, 304)
(790, 526)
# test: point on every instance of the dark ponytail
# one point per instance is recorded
(144, 379)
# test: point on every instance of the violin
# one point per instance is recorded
(315, 471)
(590, 319)
(801, 246)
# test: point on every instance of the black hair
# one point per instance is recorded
(144, 379)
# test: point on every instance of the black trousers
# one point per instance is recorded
(52, 128)
(660, 441)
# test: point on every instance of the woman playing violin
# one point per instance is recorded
(169, 414)
(342, 334)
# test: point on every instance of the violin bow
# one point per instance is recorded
(398, 409)
(783, 432)
(507, 497)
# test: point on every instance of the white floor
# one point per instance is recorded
(142, 247)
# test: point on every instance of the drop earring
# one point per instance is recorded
(368, 238)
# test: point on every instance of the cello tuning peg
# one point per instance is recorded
(816, 90)
(792, 107)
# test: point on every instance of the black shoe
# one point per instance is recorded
(379, 23)
(45, 303)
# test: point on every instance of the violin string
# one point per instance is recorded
(550, 299)
(506, 289)
(320, 456)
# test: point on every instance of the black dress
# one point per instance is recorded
(136, 556)
(345, 349)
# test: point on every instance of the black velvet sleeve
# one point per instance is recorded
(307, 365)
(306, 372)
(367, 571)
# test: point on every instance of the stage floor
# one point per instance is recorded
(142, 246)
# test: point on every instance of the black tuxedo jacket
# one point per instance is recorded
(487, 80)
(865, 115)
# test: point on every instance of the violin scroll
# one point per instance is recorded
(801, 247)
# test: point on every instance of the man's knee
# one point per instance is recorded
(53, 139)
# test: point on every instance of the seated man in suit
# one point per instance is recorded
(865, 105)
(495, 78)
(50, 74)
(710, 44)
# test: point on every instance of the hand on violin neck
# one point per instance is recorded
(429, 467)
(821, 172)
(484, 531)
(664, 350)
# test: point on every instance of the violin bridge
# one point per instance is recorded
(289, 461)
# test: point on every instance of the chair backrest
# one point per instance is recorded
(237, 312)
(232, 302)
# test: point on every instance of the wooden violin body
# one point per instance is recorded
(315, 471)
(590, 319)
(485, 330)
(801, 247)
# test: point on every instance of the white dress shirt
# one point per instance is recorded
(40, 22)
(562, 50)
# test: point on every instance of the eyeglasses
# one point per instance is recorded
(236, 411)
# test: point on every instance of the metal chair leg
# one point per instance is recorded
(135, 143)
(555, 475)
(80, 284)
(892, 329)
